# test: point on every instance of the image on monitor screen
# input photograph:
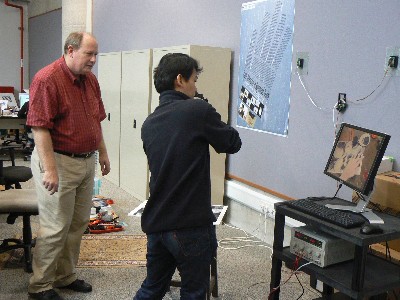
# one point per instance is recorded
(356, 155)
(23, 98)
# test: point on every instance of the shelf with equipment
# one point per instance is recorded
(365, 276)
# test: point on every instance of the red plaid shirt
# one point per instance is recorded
(70, 108)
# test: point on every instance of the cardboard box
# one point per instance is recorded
(386, 192)
(386, 197)
(380, 250)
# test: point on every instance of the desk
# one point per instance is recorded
(8, 122)
(365, 276)
(16, 123)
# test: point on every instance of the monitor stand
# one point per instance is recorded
(361, 208)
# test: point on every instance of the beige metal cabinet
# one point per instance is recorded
(109, 76)
(213, 83)
(135, 107)
(129, 96)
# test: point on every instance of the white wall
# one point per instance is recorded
(45, 44)
(346, 42)
(39, 7)
(10, 44)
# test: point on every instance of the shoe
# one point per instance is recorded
(78, 286)
(46, 295)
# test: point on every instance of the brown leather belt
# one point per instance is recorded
(78, 155)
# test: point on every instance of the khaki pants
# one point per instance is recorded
(63, 218)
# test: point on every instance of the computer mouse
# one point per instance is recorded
(371, 229)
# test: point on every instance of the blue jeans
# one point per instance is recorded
(190, 251)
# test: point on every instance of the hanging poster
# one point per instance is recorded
(265, 65)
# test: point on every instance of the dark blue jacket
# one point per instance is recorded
(176, 139)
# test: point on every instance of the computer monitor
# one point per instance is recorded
(355, 158)
(23, 98)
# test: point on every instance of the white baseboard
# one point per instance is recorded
(255, 199)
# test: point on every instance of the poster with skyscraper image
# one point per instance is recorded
(265, 66)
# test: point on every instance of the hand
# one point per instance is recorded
(50, 181)
(353, 166)
(104, 164)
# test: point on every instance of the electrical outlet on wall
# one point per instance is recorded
(302, 61)
(341, 104)
(391, 61)
(268, 211)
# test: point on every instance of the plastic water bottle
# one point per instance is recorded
(97, 180)
(96, 186)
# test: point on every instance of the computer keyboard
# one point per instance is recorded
(337, 217)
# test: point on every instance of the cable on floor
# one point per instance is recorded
(257, 229)
(253, 285)
(241, 241)
(302, 287)
(304, 283)
(294, 270)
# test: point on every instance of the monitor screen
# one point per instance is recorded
(355, 158)
(23, 97)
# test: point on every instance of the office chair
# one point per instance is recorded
(17, 203)
(12, 175)
(11, 136)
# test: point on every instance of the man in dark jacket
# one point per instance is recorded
(178, 218)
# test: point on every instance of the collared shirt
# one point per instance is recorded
(70, 107)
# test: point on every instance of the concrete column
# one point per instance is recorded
(76, 16)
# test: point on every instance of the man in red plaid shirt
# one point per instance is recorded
(65, 112)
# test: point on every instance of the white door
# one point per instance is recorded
(135, 106)
(109, 76)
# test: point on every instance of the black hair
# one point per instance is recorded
(170, 66)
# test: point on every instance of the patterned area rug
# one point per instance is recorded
(98, 250)
(13, 259)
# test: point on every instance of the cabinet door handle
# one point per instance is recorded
(134, 123)
(109, 117)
